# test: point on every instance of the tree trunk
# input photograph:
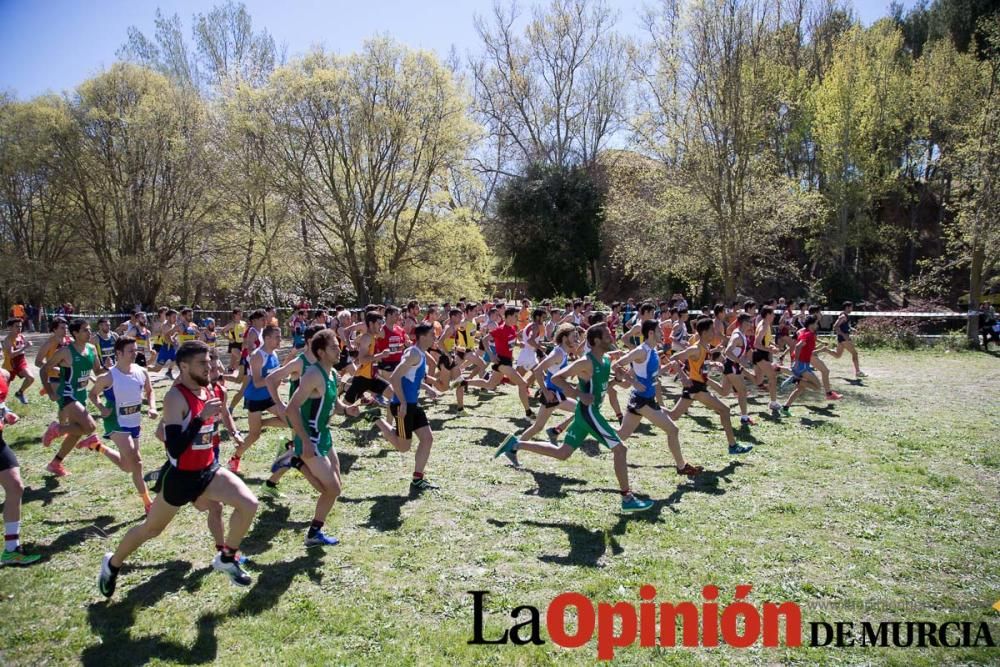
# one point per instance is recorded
(975, 289)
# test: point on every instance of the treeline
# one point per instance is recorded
(735, 147)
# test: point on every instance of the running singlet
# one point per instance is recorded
(187, 332)
(199, 455)
(646, 372)
(53, 348)
(142, 340)
(253, 392)
(597, 385)
(467, 334)
(809, 345)
(316, 413)
(211, 336)
(125, 399)
(12, 363)
(245, 351)
(107, 346)
(504, 336)
(549, 372)
(236, 333)
(294, 383)
(365, 370)
(75, 378)
(695, 365)
(393, 340)
(413, 378)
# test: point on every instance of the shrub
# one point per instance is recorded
(954, 341)
(892, 332)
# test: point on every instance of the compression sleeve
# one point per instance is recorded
(179, 438)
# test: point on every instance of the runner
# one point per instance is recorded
(194, 476)
(503, 367)
(695, 382)
(77, 361)
(843, 328)
(168, 333)
(257, 397)
(802, 371)
(309, 412)
(411, 420)
(642, 365)
(13, 487)
(14, 361)
(593, 371)
(761, 359)
(734, 357)
(393, 340)
(209, 335)
(123, 388)
(142, 335)
(58, 339)
(251, 341)
(106, 342)
(817, 363)
(233, 331)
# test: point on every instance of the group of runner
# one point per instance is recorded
(387, 357)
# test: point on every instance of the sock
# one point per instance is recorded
(626, 493)
(219, 547)
(270, 484)
(557, 429)
(314, 528)
(57, 458)
(418, 475)
(228, 554)
(12, 532)
(145, 499)
(114, 570)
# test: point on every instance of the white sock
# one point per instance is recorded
(12, 530)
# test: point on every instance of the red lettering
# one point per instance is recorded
(607, 640)
(555, 620)
(793, 624)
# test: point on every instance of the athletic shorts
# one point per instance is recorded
(636, 403)
(18, 365)
(140, 359)
(359, 385)
(695, 388)
(729, 367)
(166, 353)
(7, 458)
(588, 421)
(234, 347)
(343, 362)
(257, 405)
(761, 355)
(414, 420)
(133, 431)
(157, 347)
(444, 360)
(553, 404)
(841, 339)
(66, 401)
(800, 368)
(181, 487)
(320, 446)
(503, 361)
(388, 366)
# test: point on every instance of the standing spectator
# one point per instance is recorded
(17, 310)
(680, 302)
(32, 317)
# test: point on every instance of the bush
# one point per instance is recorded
(892, 332)
(954, 341)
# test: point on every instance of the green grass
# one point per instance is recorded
(882, 506)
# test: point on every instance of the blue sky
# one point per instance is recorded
(53, 45)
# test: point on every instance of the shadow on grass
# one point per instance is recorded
(99, 526)
(45, 494)
(550, 485)
(813, 423)
(586, 545)
(386, 511)
(826, 410)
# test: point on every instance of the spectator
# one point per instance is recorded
(988, 328)
(32, 313)
(17, 310)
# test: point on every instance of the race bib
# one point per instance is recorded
(125, 410)
(204, 439)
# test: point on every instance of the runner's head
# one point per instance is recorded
(423, 334)
(811, 322)
(848, 306)
(125, 349)
(413, 308)
(194, 362)
(325, 347)
(257, 318)
(566, 333)
(171, 315)
(373, 321)
(745, 322)
(718, 310)
(187, 314)
(651, 332)
(271, 336)
(161, 313)
(311, 331)
(703, 326)
(750, 307)
(538, 316)
(646, 310)
(59, 327)
(14, 324)
(455, 316)
(595, 318)
(803, 304)
(79, 329)
(767, 313)
(510, 315)
(391, 316)
(598, 337)
(682, 314)
(815, 310)
(237, 314)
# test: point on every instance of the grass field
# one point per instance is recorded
(880, 507)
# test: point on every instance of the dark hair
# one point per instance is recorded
(595, 317)
(12, 321)
(136, 311)
(102, 320)
(718, 308)
(190, 348)
(123, 342)
(538, 313)
(171, 311)
(237, 311)
(371, 317)
(747, 305)
(563, 331)
(803, 304)
(312, 330)
(256, 315)
(646, 306)
(57, 322)
(848, 304)
(391, 310)
(810, 319)
(76, 325)
(648, 327)
(161, 310)
(186, 310)
(454, 311)
(509, 311)
(270, 330)
(595, 331)
(421, 329)
(743, 318)
(410, 305)
(815, 310)
(321, 340)
(765, 311)
(578, 303)
(703, 325)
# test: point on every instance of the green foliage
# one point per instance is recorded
(891, 332)
(549, 222)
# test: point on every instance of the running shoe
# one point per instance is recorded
(632, 504)
(20, 397)
(170, 373)
(834, 396)
(553, 433)
(774, 407)
(57, 468)
(423, 484)
(512, 457)
(106, 579)
(690, 470)
(785, 412)
(739, 448)
(17, 558)
(381, 402)
(284, 460)
(861, 374)
(232, 569)
(90, 442)
(51, 433)
(508, 445)
(747, 420)
(529, 413)
(234, 464)
(272, 492)
(9, 418)
(321, 539)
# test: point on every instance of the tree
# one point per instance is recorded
(138, 170)
(549, 223)
(363, 142)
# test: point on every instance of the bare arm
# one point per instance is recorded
(275, 378)
(150, 397)
(581, 368)
(102, 383)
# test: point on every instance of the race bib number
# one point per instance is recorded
(125, 410)
(204, 439)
